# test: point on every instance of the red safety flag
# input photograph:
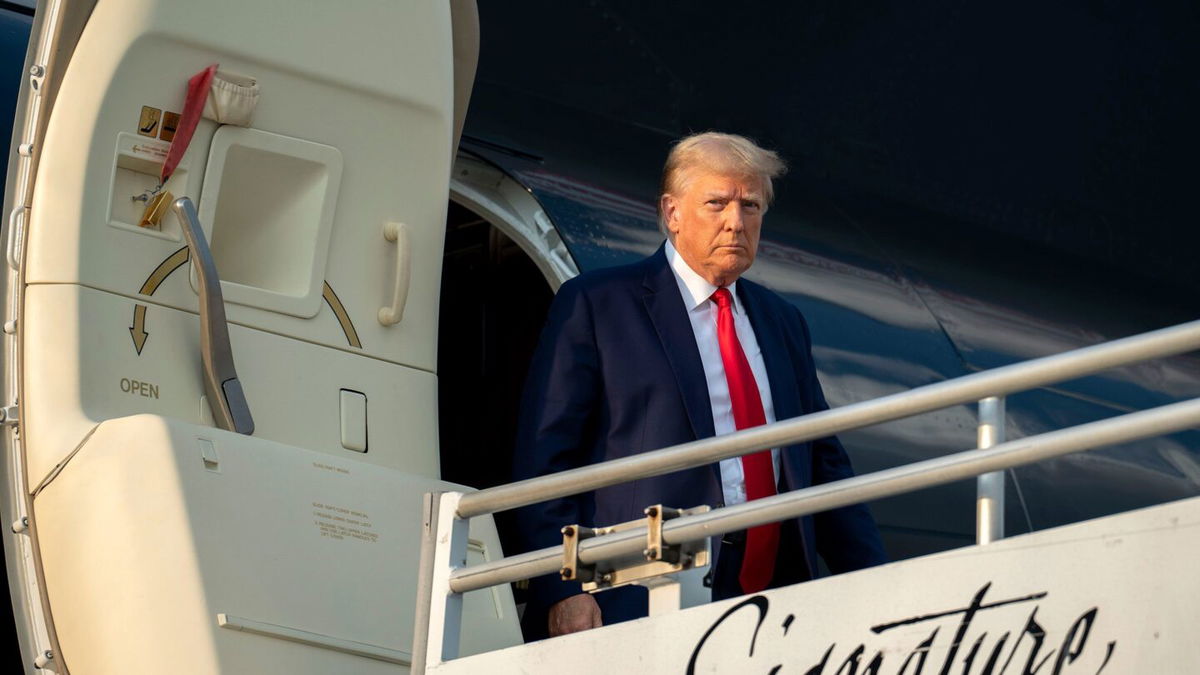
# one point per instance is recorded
(193, 108)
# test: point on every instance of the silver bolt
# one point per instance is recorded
(37, 70)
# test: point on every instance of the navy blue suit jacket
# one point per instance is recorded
(617, 372)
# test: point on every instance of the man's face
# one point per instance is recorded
(715, 222)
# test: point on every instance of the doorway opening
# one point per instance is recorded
(493, 305)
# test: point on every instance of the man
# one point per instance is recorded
(669, 350)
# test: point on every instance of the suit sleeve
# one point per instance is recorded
(557, 425)
(846, 538)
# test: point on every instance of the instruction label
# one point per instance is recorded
(139, 388)
(149, 121)
(170, 123)
(152, 150)
(329, 467)
(336, 522)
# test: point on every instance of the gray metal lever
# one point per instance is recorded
(228, 402)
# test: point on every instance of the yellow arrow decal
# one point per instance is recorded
(138, 330)
(178, 258)
(342, 315)
(164, 269)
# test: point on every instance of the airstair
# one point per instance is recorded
(152, 532)
(1115, 594)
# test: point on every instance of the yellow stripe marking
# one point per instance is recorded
(342, 315)
(164, 269)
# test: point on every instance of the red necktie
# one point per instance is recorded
(762, 542)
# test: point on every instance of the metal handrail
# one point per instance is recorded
(1157, 421)
(444, 579)
(966, 389)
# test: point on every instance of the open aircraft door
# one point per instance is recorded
(146, 538)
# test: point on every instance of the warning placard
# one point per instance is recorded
(170, 123)
(148, 123)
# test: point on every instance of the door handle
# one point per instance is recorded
(390, 315)
(226, 398)
(16, 233)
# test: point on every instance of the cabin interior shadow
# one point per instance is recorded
(493, 304)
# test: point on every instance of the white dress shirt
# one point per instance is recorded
(702, 312)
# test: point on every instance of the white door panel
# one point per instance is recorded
(133, 538)
(385, 110)
(79, 340)
(201, 534)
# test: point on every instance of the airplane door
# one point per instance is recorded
(320, 171)
(349, 143)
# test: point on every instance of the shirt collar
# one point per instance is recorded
(695, 288)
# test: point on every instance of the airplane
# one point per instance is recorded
(908, 268)
(363, 266)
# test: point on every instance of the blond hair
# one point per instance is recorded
(721, 153)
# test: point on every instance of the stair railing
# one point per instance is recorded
(445, 577)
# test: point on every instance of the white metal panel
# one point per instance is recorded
(310, 558)
(79, 345)
(371, 79)
(107, 323)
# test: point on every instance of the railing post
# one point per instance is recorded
(665, 594)
(438, 620)
(989, 508)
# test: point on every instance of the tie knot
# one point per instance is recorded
(723, 298)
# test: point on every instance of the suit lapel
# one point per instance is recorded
(781, 372)
(666, 309)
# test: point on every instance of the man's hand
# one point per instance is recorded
(576, 613)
